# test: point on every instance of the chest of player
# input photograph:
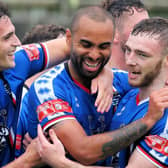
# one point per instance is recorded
(86, 113)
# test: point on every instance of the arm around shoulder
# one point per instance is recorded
(58, 50)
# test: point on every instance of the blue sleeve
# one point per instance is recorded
(48, 100)
(120, 82)
(154, 145)
(29, 60)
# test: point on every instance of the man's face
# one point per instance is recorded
(143, 59)
(127, 22)
(8, 43)
(91, 47)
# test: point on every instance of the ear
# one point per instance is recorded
(116, 37)
(68, 37)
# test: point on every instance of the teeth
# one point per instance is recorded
(91, 65)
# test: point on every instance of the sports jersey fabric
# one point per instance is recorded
(55, 97)
(154, 145)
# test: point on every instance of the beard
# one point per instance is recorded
(150, 76)
(77, 62)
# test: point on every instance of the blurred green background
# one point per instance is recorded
(28, 13)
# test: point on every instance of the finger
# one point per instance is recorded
(160, 98)
(53, 137)
(27, 137)
(42, 138)
(25, 144)
(105, 105)
(161, 92)
(99, 98)
(109, 104)
(39, 147)
(101, 105)
(94, 86)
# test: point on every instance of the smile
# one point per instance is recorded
(91, 65)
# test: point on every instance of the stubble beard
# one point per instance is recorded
(150, 76)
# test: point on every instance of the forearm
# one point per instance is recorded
(107, 144)
(89, 149)
(64, 163)
(125, 136)
(58, 51)
(22, 161)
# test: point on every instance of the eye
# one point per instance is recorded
(86, 44)
(105, 46)
(141, 54)
(127, 50)
(6, 37)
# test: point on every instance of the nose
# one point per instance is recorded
(16, 41)
(94, 53)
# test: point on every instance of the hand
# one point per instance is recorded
(157, 103)
(27, 140)
(103, 85)
(51, 153)
(32, 156)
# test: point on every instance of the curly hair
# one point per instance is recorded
(117, 7)
(40, 33)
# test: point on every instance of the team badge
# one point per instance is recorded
(51, 107)
(32, 51)
(157, 143)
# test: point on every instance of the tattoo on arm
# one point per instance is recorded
(124, 137)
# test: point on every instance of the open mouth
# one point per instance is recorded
(91, 66)
(134, 74)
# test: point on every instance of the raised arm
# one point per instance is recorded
(58, 51)
(151, 150)
(89, 149)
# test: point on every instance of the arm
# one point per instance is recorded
(29, 159)
(46, 151)
(137, 160)
(151, 150)
(58, 51)
(89, 149)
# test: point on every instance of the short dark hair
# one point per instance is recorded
(40, 33)
(156, 27)
(94, 12)
(118, 7)
(4, 11)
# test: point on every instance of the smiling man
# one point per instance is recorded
(61, 98)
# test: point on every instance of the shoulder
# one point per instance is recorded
(48, 85)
